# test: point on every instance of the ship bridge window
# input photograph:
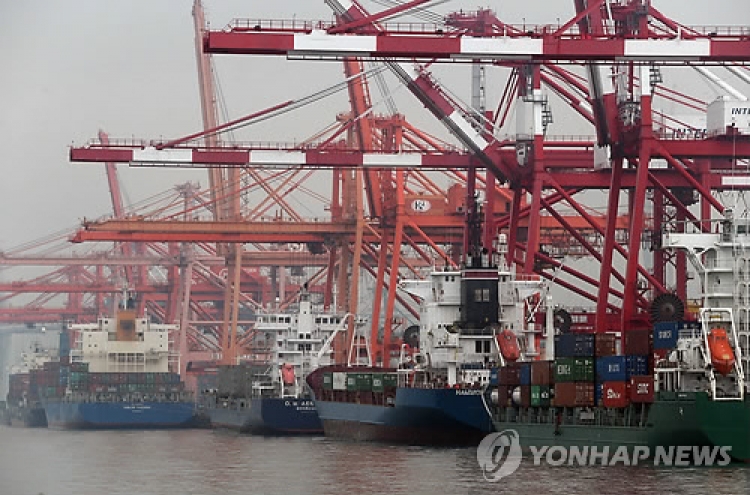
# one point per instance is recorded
(481, 295)
(317, 320)
(288, 319)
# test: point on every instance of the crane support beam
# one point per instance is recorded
(580, 155)
(540, 45)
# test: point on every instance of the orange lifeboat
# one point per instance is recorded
(722, 355)
(508, 345)
(287, 374)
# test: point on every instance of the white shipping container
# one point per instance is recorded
(339, 380)
(724, 112)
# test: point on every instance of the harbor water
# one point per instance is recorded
(205, 462)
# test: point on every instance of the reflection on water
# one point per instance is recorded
(205, 462)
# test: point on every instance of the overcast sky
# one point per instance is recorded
(69, 68)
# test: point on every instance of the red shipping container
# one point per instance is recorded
(574, 394)
(605, 345)
(541, 372)
(615, 394)
(636, 342)
(525, 395)
(510, 374)
(642, 389)
(503, 395)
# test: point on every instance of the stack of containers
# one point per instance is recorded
(574, 370)
(524, 380)
(605, 348)
(625, 378)
(542, 380)
(637, 347)
(508, 377)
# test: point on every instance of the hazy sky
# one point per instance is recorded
(71, 68)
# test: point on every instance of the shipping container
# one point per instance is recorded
(665, 335)
(378, 382)
(503, 395)
(605, 345)
(510, 374)
(574, 370)
(494, 377)
(524, 374)
(575, 345)
(637, 365)
(525, 395)
(642, 389)
(339, 380)
(364, 382)
(574, 394)
(611, 369)
(540, 395)
(390, 380)
(636, 342)
(327, 381)
(615, 394)
(542, 372)
(351, 382)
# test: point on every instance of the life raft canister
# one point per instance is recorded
(508, 345)
(287, 374)
(722, 355)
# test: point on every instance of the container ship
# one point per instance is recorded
(116, 376)
(679, 383)
(23, 407)
(272, 397)
(467, 317)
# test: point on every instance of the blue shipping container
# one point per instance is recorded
(575, 345)
(665, 335)
(525, 374)
(611, 369)
(637, 366)
(494, 380)
(598, 393)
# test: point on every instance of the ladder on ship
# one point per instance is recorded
(741, 242)
(710, 318)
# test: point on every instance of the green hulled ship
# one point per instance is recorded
(680, 384)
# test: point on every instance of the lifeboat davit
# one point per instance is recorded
(508, 345)
(287, 374)
(722, 355)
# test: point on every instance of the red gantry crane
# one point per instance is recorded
(617, 46)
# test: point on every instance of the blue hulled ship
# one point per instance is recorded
(472, 319)
(116, 375)
(271, 397)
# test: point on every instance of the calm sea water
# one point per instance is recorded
(205, 462)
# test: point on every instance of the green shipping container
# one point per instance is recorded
(378, 382)
(327, 381)
(540, 395)
(351, 382)
(364, 382)
(390, 380)
(574, 370)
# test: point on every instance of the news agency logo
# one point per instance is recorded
(499, 455)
